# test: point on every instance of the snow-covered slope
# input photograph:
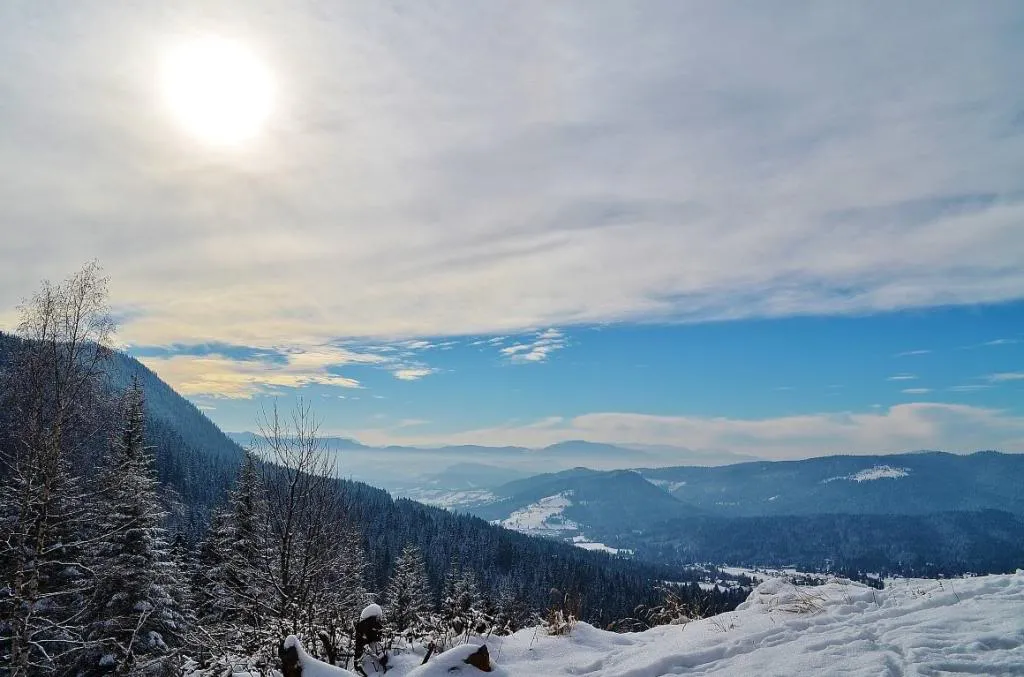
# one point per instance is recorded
(914, 627)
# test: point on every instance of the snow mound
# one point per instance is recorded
(371, 610)
(311, 667)
(453, 662)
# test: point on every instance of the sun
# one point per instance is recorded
(218, 90)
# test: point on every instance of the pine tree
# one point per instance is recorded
(343, 594)
(137, 618)
(461, 606)
(408, 596)
(229, 583)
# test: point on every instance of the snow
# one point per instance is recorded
(543, 517)
(453, 662)
(667, 485)
(914, 627)
(456, 498)
(587, 544)
(371, 610)
(878, 472)
(311, 667)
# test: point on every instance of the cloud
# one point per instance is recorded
(1005, 376)
(413, 373)
(216, 376)
(916, 391)
(909, 353)
(902, 377)
(486, 170)
(968, 388)
(233, 371)
(904, 427)
(1001, 342)
(536, 349)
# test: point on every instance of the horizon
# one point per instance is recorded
(735, 230)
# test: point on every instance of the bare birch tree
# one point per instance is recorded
(305, 516)
(53, 389)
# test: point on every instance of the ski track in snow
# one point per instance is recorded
(917, 627)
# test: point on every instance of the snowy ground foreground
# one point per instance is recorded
(914, 627)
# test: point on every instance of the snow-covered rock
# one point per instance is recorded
(370, 611)
(453, 662)
(310, 666)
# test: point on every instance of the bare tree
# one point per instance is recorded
(53, 389)
(305, 518)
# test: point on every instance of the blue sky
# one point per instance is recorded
(475, 389)
(701, 224)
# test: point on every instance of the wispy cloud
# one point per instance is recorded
(1001, 342)
(218, 376)
(536, 349)
(909, 353)
(241, 371)
(916, 391)
(968, 388)
(902, 377)
(1004, 376)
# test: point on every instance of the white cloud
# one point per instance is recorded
(904, 427)
(909, 353)
(460, 170)
(537, 348)
(1001, 342)
(916, 391)
(1002, 377)
(218, 376)
(969, 388)
(413, 373)
(902, 377)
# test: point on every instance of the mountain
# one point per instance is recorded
(580, 503)
(922, 512)
(902, 484)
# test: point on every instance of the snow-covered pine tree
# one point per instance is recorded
(230, 584)
(407, 597)
(462, 611)
(343, 594)
(137, 619)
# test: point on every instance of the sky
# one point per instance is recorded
(773, 228)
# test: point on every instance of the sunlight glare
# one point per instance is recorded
(218, 90)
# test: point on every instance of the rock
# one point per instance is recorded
(480, 659)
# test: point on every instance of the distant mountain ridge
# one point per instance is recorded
(908, 484)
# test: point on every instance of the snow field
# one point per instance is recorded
(916, 627)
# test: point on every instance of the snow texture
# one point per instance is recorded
(453, 662)
(371, 610)
(878, 472)
(543, 517)
(913, 627)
